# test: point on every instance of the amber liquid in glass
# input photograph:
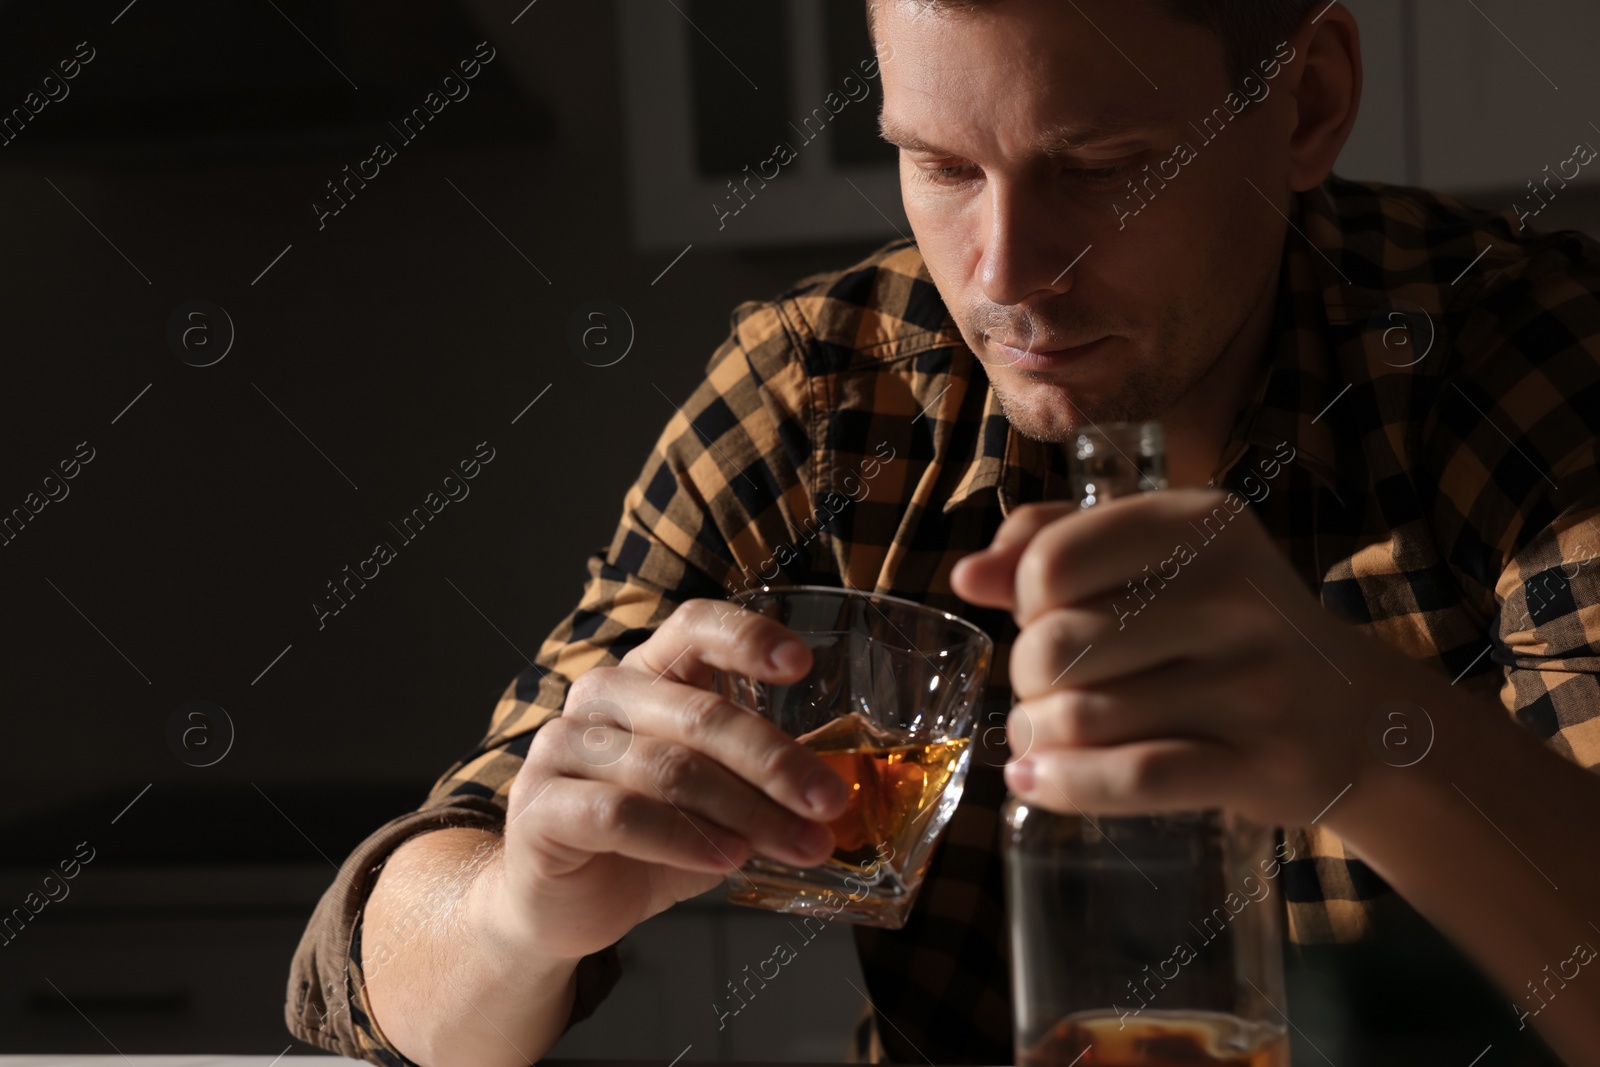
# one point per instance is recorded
(895, 788)
(1158, 1039)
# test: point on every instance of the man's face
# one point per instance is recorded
(1000, 213)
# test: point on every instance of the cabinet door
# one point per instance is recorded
(662, 1003)
(808, 1007)
(692, 983)
(147, 985)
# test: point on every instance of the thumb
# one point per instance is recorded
(988, 577)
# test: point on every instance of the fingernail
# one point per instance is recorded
(789, 655)
(824, 791)
(1019, 775)
(811, 838)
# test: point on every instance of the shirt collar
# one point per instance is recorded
(1019, 469)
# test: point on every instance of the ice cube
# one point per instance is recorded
(853, 731)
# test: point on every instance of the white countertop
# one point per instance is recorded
(164, 1061)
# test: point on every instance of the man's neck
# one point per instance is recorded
(1197, 430)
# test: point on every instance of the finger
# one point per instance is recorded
(569, 820)
(1100, 643)
(1088, 718)
(1146, 777)
(988, 577)
(1230, 703)
(703, 634)
(1081, 647)
(692, 783)
(1134, 548)
(1105, 642)
(746, 744)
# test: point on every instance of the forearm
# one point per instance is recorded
(458, 987)
(1492, 837)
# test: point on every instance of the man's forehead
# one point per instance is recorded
(1052, 139)
(1061, 85)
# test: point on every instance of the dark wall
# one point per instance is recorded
(370, 359)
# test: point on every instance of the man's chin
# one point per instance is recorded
(1053, 413)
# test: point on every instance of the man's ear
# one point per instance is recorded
(1325, 89)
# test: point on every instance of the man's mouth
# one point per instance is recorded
(1034, 355)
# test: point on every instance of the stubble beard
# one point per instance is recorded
(1146, 389)
(1056, 415)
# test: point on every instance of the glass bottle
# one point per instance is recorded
(1149, 939)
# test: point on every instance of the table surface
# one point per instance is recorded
(166, 1061)
(114, 1060)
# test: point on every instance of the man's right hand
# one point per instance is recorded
(651, 787)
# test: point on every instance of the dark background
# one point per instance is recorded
(367, 360)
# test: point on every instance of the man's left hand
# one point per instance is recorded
(1170, 659)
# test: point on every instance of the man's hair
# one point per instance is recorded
(1249, 29)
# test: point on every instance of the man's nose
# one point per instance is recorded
(1024, 245)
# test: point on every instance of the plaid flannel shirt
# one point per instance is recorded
(1422, 448)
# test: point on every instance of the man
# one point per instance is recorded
(1123, 209)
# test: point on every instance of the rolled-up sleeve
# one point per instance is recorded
(1550, 633)
(1515, 430)
(717, 495)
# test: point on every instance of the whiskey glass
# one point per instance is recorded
(890, 704)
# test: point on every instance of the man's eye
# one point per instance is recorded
(953, 175)
(945, 175)
(1097, 175)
